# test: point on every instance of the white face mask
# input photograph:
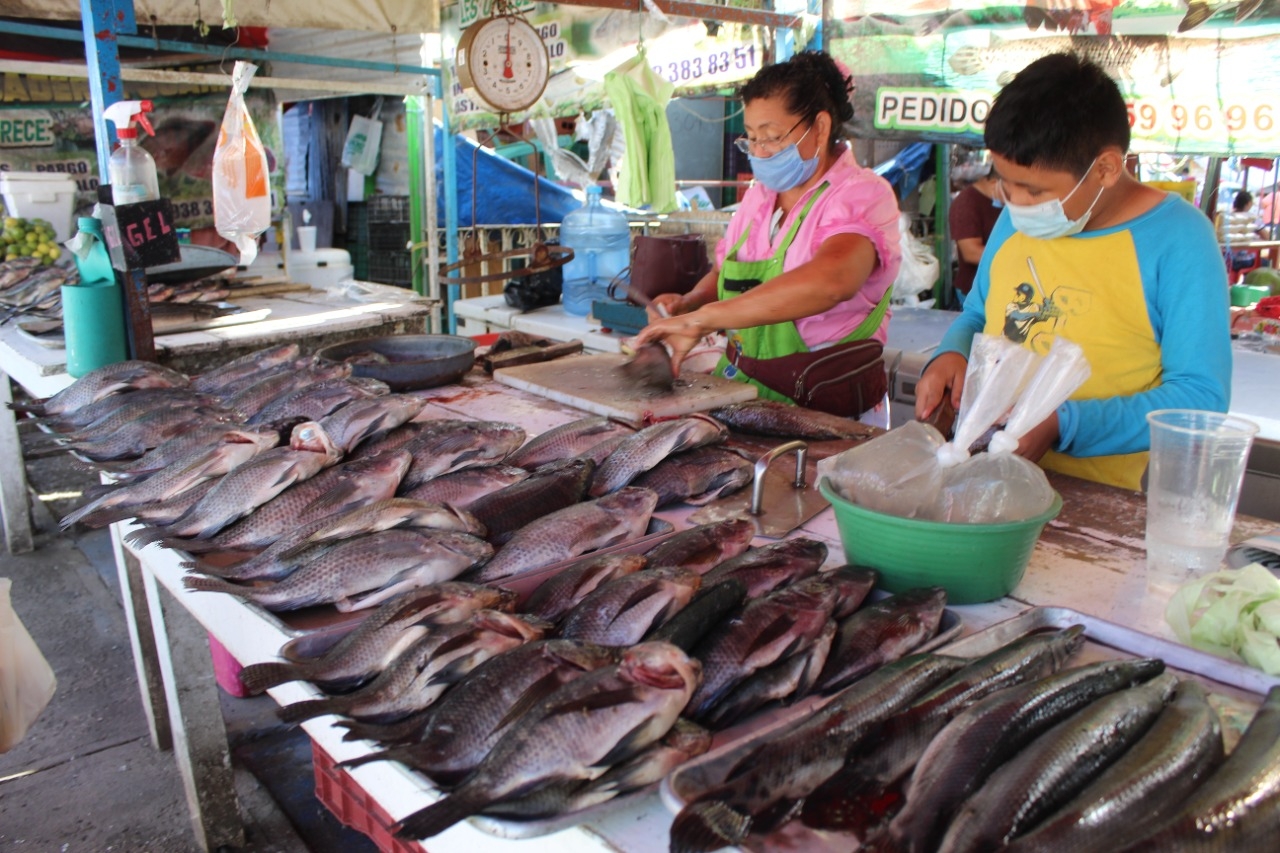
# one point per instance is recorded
(1048, 220)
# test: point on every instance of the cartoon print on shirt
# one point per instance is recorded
(1028, 321)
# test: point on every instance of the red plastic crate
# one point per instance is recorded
(226, 669)
(355, 808)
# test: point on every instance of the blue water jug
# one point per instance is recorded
(601, 243)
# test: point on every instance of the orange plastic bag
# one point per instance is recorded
(26, 680)
(241, 185)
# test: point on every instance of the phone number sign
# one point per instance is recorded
(1238, 126)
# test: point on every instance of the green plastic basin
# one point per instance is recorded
(973, 562)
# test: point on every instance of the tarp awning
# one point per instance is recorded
(398, 16)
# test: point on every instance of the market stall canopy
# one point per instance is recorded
(399, 16)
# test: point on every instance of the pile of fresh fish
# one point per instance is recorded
(1010, 751)
(29, 288)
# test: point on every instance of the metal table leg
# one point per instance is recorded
(14, 505)
(142, 639)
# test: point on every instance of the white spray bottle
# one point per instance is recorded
(132, 171)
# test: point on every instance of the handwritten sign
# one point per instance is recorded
(141, 235)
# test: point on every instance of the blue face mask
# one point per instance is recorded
(785, 170)
(1048, 220)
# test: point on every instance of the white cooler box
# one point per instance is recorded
(41, 195)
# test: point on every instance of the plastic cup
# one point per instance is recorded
(1193, 485)
(306, 238)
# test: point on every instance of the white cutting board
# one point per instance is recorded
(594, 383)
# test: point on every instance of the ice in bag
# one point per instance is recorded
(241, 177)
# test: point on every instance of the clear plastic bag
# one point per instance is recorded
(26, 680)
(364, 141)
(897, 474)
(241, 177)
(998, 372)
(919, 268)
(992, 489)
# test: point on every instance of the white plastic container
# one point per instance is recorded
(41, 195)
(323, 268)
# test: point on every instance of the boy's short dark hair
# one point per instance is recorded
(1243, 199)
(1058, 113)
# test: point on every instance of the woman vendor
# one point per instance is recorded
(803, 275)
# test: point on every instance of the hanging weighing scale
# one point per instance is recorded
(503, 59)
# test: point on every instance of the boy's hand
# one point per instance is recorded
(944, 375)
(1040, 440)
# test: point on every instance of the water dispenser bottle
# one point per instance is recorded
(601, 243)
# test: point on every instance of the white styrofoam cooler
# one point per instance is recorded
(322, 268)
(41, 195)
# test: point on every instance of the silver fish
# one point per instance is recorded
(152, 429)
(440, 450)
(774, 565)
(363, 418)
(704, 547)
(241, 383)
(768, 417)
(622, 611)
(130, 407)
(463, 488)
(645, 449)
(359, 573)
(790, 677)
(246, 365)
(882, 632)
(557, 595)
(697, 476)
(168, 452)
(318, 401)
(566, 441)
(572, 532)
(552, 487)
(254, 398)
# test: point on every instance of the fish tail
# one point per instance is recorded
(436, 818)
(145, 536)
(91, 514)
(380, 755)
(258, 677)
(300, 711)
(34, 407)
(708, 825)
(207, 584)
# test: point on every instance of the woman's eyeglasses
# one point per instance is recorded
(769, 147)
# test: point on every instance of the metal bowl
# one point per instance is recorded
(413, 361)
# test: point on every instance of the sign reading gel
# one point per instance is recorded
(931, 110)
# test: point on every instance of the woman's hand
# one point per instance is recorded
(945, 374)
(680, 333)
(670, 303)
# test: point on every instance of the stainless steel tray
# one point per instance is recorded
(1235, 690)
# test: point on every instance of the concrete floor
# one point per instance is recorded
(86, 778)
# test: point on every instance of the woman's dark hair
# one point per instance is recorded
(809, 83)
(1241, 203)
(1058, 113)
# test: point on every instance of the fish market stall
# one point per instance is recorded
(1089, 559)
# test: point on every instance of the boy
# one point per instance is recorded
(1083, 250)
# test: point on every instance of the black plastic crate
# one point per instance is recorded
(388, 236)
(389, 208)
(390, 268)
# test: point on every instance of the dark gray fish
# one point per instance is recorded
(1237, 808)
(381, 637)
(361, 419)
(703, 547)
(980, 739)
(256, 397)
(650, 367)
(557, 595)
(880, 633)
(622, 611)
(572, 532)
(102, 382)
(444, 446)
(126, 408)
(168, 452)
(697, 476)
(1148, 783)
(242, 383)
(212, 381)
(711, 606)
(317, 401)
(791, 677)
(597, 453)
(767, 417)
(567, 440)
(601, 719)
(643, 450)
(774, 565)
(167, 512)
(150, 430)
(470, 719)
(363, 572)
(465, 487)
(761, 789)
(397, 438)
(1056, 767)
(550, 488)
(853, 584)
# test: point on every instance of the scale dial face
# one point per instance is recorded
(508, 63)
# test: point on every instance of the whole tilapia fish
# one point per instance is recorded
(768, 417)
(252, 364)
(769, 629)
(136, 437)
(703, 547)
(14, 272)
(697, 476)
(196, 467)
(866, 788)
(1146, 784)
(702, 615)
(342, 488)
(1238, 806)
(551, 488)
(381, 637)
(791, 677)
(246, 381)
(169, 511)
(256, 397)
(774, 565)
(363, 418)
(318, 401)
(571, 532)
(557, 595)
(578, 732)
(247, 487)
(643, 450)
(760, 789)
(170, 451)
(472, 717)
(880, 633)
(102, 382)
(465, 487)
(622, 611)
(424, 670)
(398, 437)
(566, 441)
(854, 584)
(453, 445)
(126, 408)
(1056, 767)
(961, 757)
(363, 572)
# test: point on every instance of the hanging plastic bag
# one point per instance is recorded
(241, 185)
(919, 268)
(997, 373)
(26, 680)
(364, 140)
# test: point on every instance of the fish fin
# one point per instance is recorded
(773, 631)
(207, 584)
(257, 677)
(146, 535)
(380, 755)
(1198, 12)
(627, 745)
(532, 695)
(94, 514)
(454, 671)
(332, 501)
(595, 702)
(641, 593)
(706, 826)
(300, 711)
(437, 817)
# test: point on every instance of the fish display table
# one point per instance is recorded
(1091, 558)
